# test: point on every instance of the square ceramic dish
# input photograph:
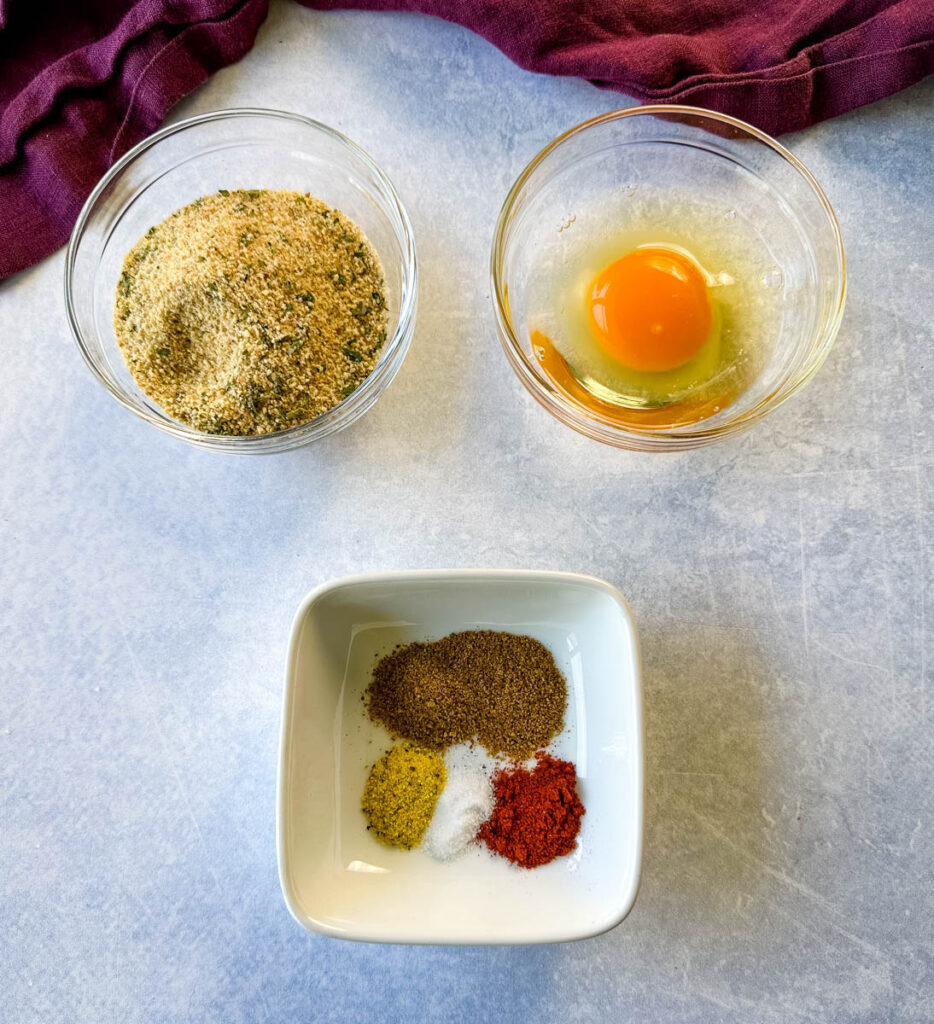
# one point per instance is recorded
(338, 880)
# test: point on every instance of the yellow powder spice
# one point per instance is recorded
(251, 310)
(400, 794)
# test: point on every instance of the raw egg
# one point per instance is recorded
(655, 305)
(650, 309)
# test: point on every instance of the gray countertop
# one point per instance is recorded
(781, 583)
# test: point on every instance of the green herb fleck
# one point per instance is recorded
(254, 398)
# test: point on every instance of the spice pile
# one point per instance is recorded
(400, 794)
(537, 814)
(464, 805)
(251, 310)
(501, 691)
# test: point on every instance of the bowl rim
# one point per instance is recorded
(661, 439)
(333, 419)
(619, 912)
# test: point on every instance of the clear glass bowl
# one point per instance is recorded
(244, 148)
(732, 166)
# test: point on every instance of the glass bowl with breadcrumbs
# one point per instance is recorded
(244, 280)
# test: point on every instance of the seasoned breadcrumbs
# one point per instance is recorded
(251, 310)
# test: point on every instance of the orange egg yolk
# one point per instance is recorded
(650, 309)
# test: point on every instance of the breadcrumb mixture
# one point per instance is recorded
(251, 310)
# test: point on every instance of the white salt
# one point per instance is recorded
(464, 804)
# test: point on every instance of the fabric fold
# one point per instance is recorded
(63, 127)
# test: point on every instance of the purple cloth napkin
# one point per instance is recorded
(81, 82)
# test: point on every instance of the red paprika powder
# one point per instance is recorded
(537, 814)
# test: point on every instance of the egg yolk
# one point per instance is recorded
(650, 309)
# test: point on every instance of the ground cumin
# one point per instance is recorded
(251, 310)
(501, 689)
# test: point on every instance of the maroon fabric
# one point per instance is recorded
(81, 82)
(779, 64)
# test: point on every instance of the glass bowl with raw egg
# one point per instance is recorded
(665, 276)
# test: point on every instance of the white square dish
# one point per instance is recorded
(338, 880)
